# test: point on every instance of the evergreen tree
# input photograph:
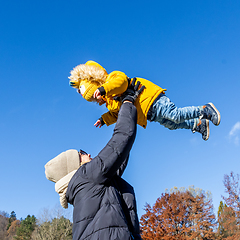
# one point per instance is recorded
(26, 228)
(221, 220)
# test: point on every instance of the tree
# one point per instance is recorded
(11, 219)
(3, 224)
(185, 214)
(229, 215)
(26, 228)
(58, 228)
(11, 232)
(53, 224)
(221, 220)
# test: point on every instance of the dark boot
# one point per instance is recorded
(203, 128)
(211, 113)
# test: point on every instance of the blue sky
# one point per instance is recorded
(191, 48)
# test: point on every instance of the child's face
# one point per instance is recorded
(98, 99)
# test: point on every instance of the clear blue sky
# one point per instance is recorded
(192, 48)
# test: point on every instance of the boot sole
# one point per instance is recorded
(208, 130)
(218, 113)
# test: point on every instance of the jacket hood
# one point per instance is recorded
(91, 72)
(60, 170)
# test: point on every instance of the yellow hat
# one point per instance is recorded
(87, 89)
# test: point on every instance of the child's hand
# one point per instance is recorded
(99, 123)
(97, 95)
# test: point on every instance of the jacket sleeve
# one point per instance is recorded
(116, 83)
(107, 163)
(110, 117)
(122, 168)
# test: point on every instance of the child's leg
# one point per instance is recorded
(167, 114)
(187, 124)
(196, 125)
(165, 109)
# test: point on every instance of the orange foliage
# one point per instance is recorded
(13, 228)
(179, 215)
(229, 218)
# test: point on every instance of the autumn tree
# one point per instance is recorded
(179, 214)
(11, 219)
(11, 232)
(229, 215)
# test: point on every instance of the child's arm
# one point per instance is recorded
(107, 118)
(116, 84)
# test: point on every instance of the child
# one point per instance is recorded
(96, 85)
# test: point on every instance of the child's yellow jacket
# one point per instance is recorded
(117, 83)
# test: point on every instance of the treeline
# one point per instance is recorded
(185, 214)
(44, 228)
(188, 214)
